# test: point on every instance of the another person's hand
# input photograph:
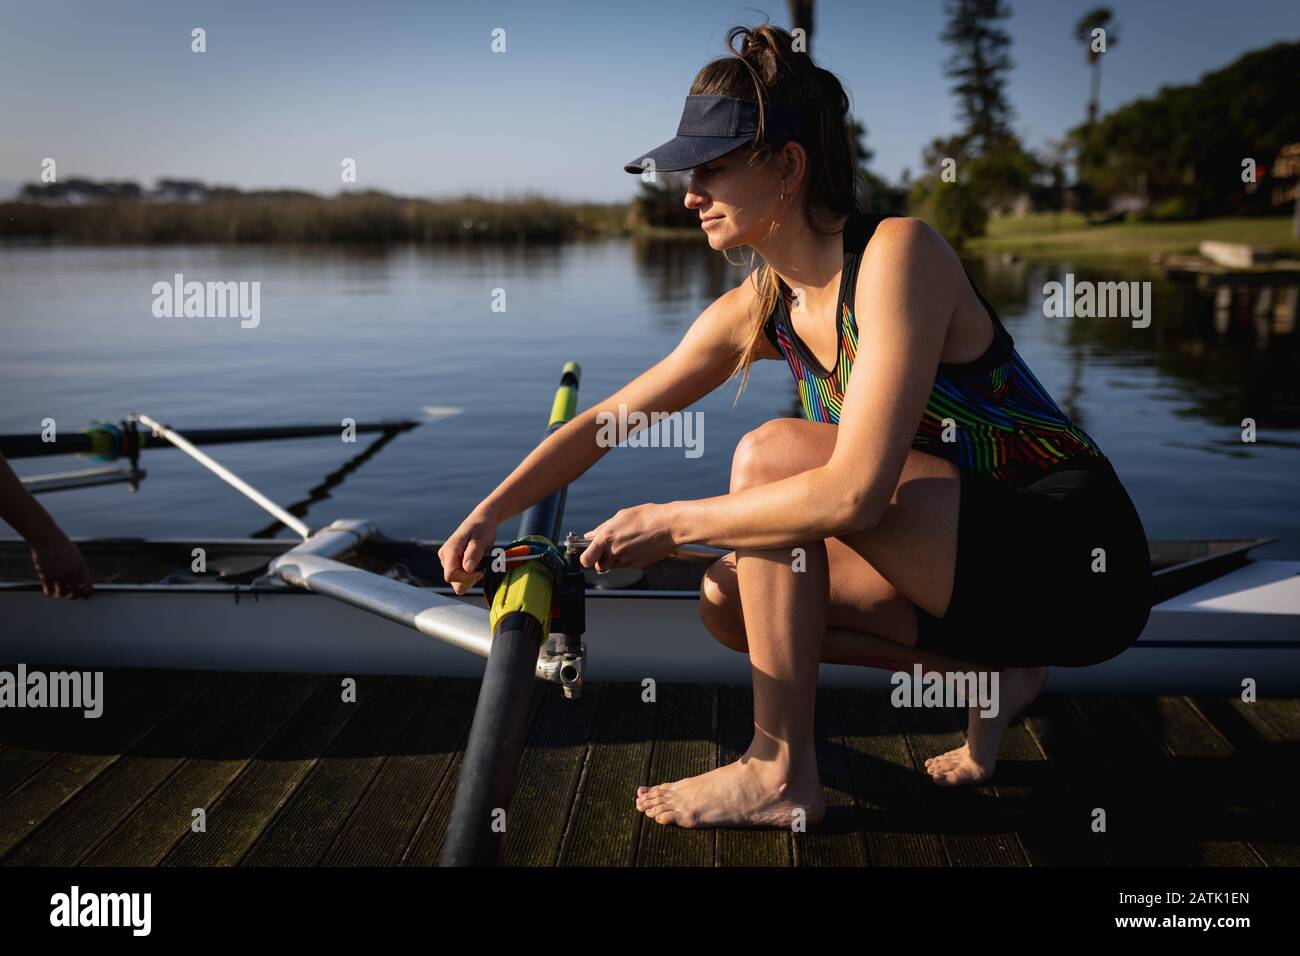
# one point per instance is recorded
(462, 552)
(61, 568)
(632, 538)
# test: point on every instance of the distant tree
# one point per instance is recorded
(1055, 159)
(990, 164)
(81, 190)
(1003, 172)
(1183, 147)
(1098, 18)
(979, 63)
(953, 208)
(662, 203)
(877, 194)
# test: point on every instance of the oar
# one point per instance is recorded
(108, 441)
(520, 621)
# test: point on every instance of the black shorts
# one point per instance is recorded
(1028, 588)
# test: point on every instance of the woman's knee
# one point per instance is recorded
(720, 604)
(757, 459)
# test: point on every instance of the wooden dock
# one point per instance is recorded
(290, 775)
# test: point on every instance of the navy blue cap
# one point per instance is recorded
(713, 126)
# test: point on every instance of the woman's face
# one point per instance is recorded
(736, 202)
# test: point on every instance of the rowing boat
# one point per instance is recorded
(1220, 617)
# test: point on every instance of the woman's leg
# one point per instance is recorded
(850, 601)
(774, 783)
(868, 608)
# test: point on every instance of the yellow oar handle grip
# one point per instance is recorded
(526, 585)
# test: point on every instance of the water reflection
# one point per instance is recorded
(679, 275)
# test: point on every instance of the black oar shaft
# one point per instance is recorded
(79, 443)
(480, 813)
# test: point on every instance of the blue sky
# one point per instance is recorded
(412, 91)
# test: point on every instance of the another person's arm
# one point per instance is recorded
(59, 565)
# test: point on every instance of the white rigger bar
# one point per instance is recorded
(226, 475)
(314, 566)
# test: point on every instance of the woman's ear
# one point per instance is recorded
(794, 163)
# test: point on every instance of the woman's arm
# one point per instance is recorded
(906, 296)
(701, 361)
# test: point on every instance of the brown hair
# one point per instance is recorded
(767, 69)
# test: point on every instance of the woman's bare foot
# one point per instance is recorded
(761, 789)
(973, 762)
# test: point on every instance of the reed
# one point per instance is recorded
(304, 218)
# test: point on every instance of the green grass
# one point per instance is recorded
(1045, 234)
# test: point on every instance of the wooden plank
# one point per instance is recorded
(381, 827)
(685, 731)
(1283, 715)
(1042, 765)
(976, 826)
(1149, 818)
(256, 795)
(51, 797)
(1270, 798)
(1021, 783)
(289, 773)
(146, 835)
(605, 826)
(1097, 775)
(888, 790)
(18, 764)
(78, 826)
(301, 832)
(426, 845)
(548, 778)
(837, 840)
(33, 738)
(1208, 773)
(1146, 813)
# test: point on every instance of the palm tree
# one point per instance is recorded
(1098, 17)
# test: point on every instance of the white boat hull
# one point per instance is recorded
(1209, 640)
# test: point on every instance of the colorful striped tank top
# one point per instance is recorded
(1004, 424)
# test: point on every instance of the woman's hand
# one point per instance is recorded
(61, 568)
(632, 538)
(461, 553)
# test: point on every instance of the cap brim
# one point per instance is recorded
(687, 152)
